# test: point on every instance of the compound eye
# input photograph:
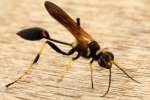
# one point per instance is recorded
(104, 62)
(110, 55)
(101, 62)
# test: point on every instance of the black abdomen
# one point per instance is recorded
(34, 33)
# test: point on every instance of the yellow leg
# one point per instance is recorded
(67, 68)
(91, 74)
(26, 71)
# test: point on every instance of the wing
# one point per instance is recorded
(82, 37)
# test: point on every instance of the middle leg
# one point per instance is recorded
(68, 67)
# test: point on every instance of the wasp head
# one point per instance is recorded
(105, 59)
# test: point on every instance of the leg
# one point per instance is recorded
(91, 72)
(68, 67)
(26, 71)
(76, 57)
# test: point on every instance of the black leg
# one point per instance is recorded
(76, 57)
(26, 71)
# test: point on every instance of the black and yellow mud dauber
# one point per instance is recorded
(84, 45)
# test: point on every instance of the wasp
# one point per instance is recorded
(84, 45)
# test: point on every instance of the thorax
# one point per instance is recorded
(89, 51)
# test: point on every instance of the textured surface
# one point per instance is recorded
(121, 25)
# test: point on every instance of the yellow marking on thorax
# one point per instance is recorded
(99, 51)
(74, 44)
(88, 51)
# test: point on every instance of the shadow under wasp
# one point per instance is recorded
(85, 45)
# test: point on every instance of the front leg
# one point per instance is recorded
(91, 72)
